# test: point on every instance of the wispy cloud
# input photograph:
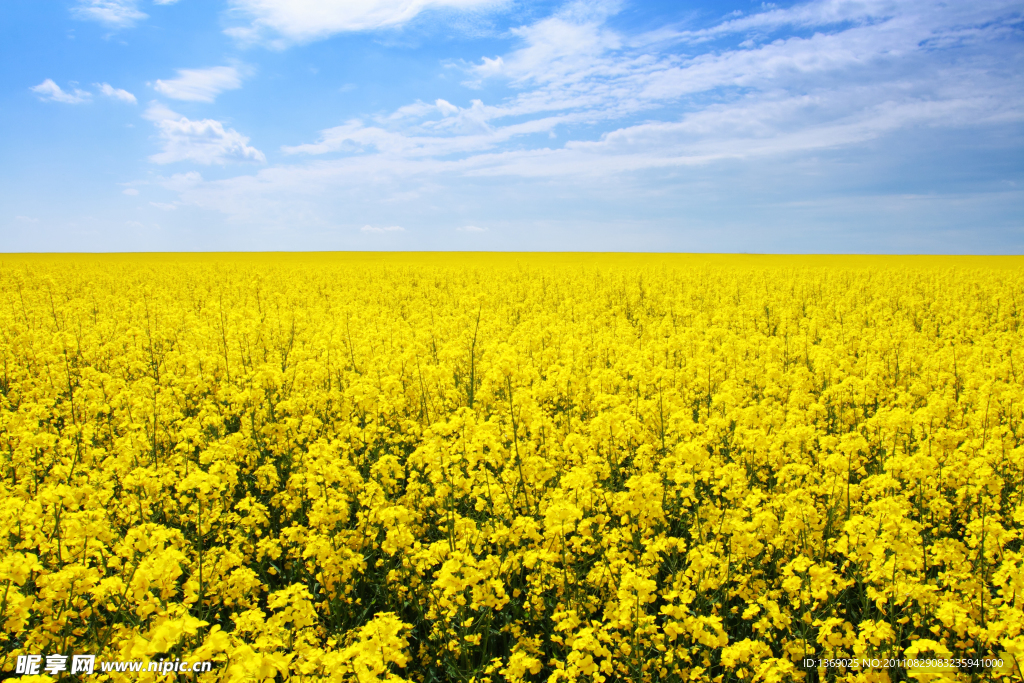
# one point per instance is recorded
(112, 13)
(50, 91)
(825, 14)
(471, 228)
(204, 142)
(200, 85)
(854, 73)
(355, 136)
(116, 93)
(573, 69)
(301, 22)
(571, 44)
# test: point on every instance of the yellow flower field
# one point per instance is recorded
(519, 467)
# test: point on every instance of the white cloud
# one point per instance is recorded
(113, 13)
(471, 228)
(26, 219)
(205, 141)
(130, 191)
(464, 132)
(116, 93)
(163, 206)
(200, 85)
(50, 91)
(573, 70)
(302, 21)
(390, 228)
(158, 111)
(164, 2)
(573, 41)
(855, 73)
(181, 182)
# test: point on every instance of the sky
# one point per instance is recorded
(830, 126)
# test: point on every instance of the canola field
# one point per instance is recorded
(518, 467)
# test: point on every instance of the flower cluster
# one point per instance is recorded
(511, 468)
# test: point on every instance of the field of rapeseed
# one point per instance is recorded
(512, 468)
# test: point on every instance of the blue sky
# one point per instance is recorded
(870, 126)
